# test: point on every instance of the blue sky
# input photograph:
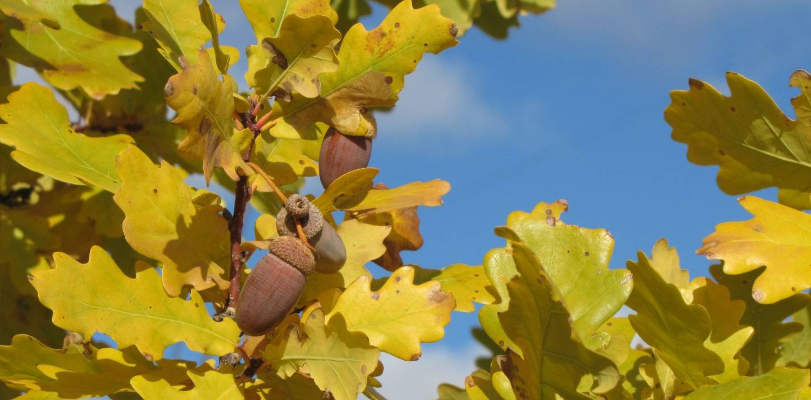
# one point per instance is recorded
(569, 106)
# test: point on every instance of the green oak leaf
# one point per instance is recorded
(763, 349)
(677, 330)
(98, 297)
(746, 134)
(797, 350)
(576, 260)
(303, 49)
(79, 51)
(548, 360)
(372, 69)
(44, 140)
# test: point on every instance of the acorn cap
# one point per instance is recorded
(294, 252)
(297, 205)
(312, 223)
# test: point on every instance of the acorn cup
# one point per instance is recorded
(341, 154)
(330, 252)
(274, 286)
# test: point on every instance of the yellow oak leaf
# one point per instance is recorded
(338, 360)
(39, 129)
(665, 260)
(467, 284)
(284, 160)
(746, 134)
(728, 336)
(162, 223)
(399, 316)
(79, 51)
(80, 371)
(778, 237)
(364, 243)
(266, 18)
(405, 235)
(762, 351)
(577, 261)
(269, 386)
(303, 49)
(98, 297)
(178, 28)
(349, 187)
(205, 107)
(371, 73)
(208, 384)
(778, 384)
(675, 329)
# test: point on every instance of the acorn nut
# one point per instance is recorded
(341, 154)
(330, 252)
(274, 286)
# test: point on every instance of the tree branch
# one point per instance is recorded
(243, 195)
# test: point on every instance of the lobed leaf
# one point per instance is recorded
(205, 107)
(576, 260)
(98, 297)
(778, 384)
(778, 237)
(675, 329)
(399, 316)
(163, 223)
(762, 350)
(338, 360)
(44, 140)
(747, 135)
(178, 28)
(208, 384)
(78, 51)
(371, 73)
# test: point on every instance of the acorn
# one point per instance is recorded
(274, 286)
(341, 154)
(330, 252)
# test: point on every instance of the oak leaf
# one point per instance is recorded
(208, 384)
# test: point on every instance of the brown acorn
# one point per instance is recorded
(273, 287)
(330, 252)
(341, 154)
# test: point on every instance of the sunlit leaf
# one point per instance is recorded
(79, 52)
(338, 360)
(178, 27)
(446, 391)
(467, 284)
(371, 73)
(213, 22)
(270, 387)
(162, 223)
(746, 134)
(577, 261)
(303, 49)
(39, 129)
(778, 237)
(210, 384)
(77, 371)
(399, 316)
(364, 243)
(205, 107)
(98, 297)
(778, 384)
(548, 359)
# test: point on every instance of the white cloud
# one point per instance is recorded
(403, 380)
(440, 97)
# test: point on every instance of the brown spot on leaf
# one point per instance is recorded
(272, 20)
(454, 30)
(363, 369)
(758, 228)
(375, 296)
(396, 24)
(721, 152)
(548, 212)
(586, 254)
(696, 84)
(757, 295)
(416, 357)
(194, 90)
(550, 220)
(168, 89)
(148, 357)
(388, 80)
(278, 58)
(397, 279)
(732, 109)
(155, 191)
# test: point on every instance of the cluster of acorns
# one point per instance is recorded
(274, 286)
